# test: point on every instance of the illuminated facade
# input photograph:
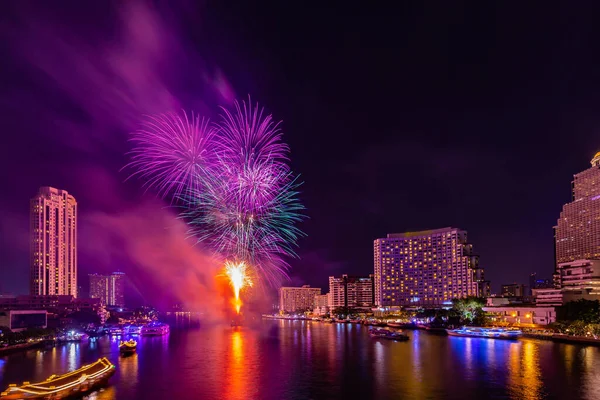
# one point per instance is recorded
(577, 232)
(297, 299)
(321, 306)
(53, 216)
(351, 291)
(427, 268)
(513, 290)
(108, 288)
(579, 279)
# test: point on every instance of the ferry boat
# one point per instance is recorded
(155, 329)
(492, 333)
(132, 330)
(128, 347)
(381, 333)
(73, 384)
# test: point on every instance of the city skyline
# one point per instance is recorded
(583, 189)
(429, 162)
(286, 200)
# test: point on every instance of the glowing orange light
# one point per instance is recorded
(238, 279)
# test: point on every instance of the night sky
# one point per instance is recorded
(408, 118)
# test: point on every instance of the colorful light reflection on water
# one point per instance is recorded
(284, 359)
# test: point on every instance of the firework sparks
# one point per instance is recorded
(238, 279)
(232, 180)
(172, 153)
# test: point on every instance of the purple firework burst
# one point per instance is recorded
(233, 179)
(172, 152)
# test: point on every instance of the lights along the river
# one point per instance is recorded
(238, 279)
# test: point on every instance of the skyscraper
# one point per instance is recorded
(53, 243)
(108, 288)
(577, 231)
(427, 268)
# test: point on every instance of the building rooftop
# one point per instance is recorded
(420, 233)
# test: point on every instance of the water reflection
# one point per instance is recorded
(235, 382)
(73, 356)
(286, 359)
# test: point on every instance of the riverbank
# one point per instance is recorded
(21, 347)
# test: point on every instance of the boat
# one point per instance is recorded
(74, 384)
(73, 336)
(132, 330)
(155, 329)
(115, 331)
(382, 333)
(491, 333)
(395, 324)
(128, 347)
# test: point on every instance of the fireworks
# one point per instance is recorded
(233, 182)
(239, 279)
(171, 153)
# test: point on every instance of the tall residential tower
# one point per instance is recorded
(427, 268)
(53, 243)
(109, 288)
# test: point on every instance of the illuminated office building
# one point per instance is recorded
(577, 231)
(427, 268)
(53, 216)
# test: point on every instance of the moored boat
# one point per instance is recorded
(379, 333)
(73, 384)
(155, 329)
(128, 347)
(395, 324)
(491, 333)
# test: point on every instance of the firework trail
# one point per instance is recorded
(239, 279)
(171, 153)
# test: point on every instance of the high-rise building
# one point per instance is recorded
(577, 231)
(513, 290)
(427, 268)
(294, 299)
(53, 216)
(536, 283)
(483, 286)
(351, 291)
(108, 288)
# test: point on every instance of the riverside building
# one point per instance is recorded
(426, 268)
(110, 289)
(577, 231)
(297, 299)
(351, 291)
(577, 242)
(53, 216)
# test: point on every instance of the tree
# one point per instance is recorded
(580, 310)
(341, 311)
(85, 317)
(469, 310)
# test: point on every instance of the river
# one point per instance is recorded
(312, 360)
